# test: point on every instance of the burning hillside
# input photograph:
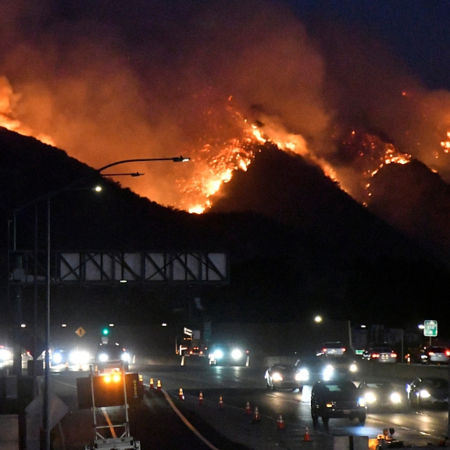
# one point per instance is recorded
(153, 81)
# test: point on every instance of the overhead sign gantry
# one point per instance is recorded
(138, 267)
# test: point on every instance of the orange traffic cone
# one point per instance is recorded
(248, 410)
(220, 402)
(200, 399)
(280, 422)
(152, 385)
(180, 394)
(306, 437)
(256, 417)
(158, 385)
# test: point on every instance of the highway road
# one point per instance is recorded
(220, 420)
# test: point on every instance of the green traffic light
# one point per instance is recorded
(105, 331)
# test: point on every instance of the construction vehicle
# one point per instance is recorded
(111, 388)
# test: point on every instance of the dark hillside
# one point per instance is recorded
(295, 248)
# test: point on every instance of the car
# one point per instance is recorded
(112, 356)
(286, 376)
(70, 358)
(427, 391)
(231, 354)
(332, 348)
(329, 367)
(381, 395)
(336, 399)
(435, 354)
(196, 350)
(380, 354)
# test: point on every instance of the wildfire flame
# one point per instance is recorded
(446, 144)
(216, 163)
(7, 102)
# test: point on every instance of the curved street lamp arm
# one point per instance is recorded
(124, 161)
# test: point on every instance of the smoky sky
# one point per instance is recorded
(111, 80)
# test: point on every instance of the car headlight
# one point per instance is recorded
(276, 376)
(302, 375)
(57, 358)
(5, 355)
(370, 397)
(353, 367)
(424, 394)
(395, 398)
(103, 357)
(218, 354)
(328, 372)
(361, 401)
(236, 353)
(79, 357)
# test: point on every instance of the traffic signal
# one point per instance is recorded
(105, 331)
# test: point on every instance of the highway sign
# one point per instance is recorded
(430, 328)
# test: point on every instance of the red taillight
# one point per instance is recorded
(393, 355)
(375, 355)
(344, 349)
(447, 352)
(431, 353)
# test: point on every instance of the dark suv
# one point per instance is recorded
(336, 398)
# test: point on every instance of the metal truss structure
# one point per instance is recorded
(133, 267)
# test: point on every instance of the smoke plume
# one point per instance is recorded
(114, 80)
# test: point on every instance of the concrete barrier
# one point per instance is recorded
(367, 369)
(9, 432)
(401, 372)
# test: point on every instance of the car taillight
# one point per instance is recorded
(447, 352)
(375, 355)
(393, 355)
(431, 353)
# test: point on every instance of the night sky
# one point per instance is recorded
(416, 31)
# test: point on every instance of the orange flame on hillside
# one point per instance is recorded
(215, 164)
(446, 144)
(7, 120)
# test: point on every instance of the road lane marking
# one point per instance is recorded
(64, 384)
(186, 422)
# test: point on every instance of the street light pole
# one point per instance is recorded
(46, 400)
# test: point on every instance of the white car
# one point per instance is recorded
(380, 354)
(286, 376)
(335, 348)
(435, 355)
